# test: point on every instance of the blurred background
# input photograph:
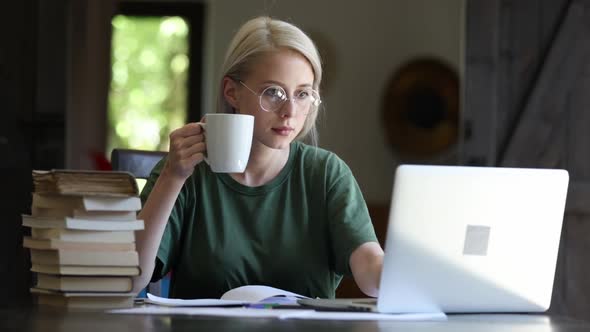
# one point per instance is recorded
(490, 83)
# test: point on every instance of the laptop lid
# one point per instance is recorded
(472, 239)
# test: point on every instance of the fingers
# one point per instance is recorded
(190, 129)
(192, 140)
(196, 158)
(198, 148)
(184, 143)
(187, 149)
(187, 164)
(186, 136)
(187, 146)
(188, 152)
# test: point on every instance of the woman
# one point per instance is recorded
(295, 219)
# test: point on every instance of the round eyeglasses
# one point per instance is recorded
(274, 97)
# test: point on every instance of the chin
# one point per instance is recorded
(279, 144)
(275, 142)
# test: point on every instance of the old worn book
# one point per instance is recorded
(84, 258)
(79, 270)
(88, 215)
(82, 182)
(75, 235)
(81, 205)
(81, 224)
(84, 283)
(83, 300)
(31, 243)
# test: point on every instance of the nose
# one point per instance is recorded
(288, 108)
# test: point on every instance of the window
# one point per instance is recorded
(156, 61)
(148, 92)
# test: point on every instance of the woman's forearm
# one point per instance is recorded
(366, 263)
(155, 214)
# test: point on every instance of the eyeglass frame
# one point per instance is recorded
(314, 103)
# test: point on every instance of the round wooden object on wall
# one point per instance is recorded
(421, 108)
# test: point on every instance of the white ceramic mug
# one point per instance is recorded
(228, 138)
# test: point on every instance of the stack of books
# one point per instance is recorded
(82, 241)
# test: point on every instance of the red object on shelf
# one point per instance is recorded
(101, 163)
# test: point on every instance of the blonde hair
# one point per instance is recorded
(262, 35)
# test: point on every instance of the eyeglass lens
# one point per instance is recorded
(273, 98)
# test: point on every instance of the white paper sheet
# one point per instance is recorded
(191, 303)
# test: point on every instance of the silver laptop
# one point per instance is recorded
(469, 239)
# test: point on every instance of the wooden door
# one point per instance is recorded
(527, 104)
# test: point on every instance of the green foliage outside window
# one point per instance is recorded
(148, 92)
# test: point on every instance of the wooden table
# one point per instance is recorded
(49, 319)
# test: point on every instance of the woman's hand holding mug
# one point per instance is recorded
(187, 150)
(226, 149)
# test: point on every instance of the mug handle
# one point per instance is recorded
(204, 126)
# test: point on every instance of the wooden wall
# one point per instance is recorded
(527, 77)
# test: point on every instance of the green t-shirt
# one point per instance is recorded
(296, 232)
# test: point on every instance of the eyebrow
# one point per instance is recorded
(281, 84)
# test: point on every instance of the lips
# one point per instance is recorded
(283, 130)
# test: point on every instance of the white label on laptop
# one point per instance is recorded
(476, 240)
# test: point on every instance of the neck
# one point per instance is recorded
(264, 165)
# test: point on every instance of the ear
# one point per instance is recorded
(230, 92)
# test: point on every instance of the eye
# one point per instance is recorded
(275, 92)
(304, 94)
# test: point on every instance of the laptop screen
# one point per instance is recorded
(472, 239)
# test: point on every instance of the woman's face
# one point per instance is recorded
(289, 70)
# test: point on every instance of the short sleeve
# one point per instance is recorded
(171, 239)
(349, 221)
